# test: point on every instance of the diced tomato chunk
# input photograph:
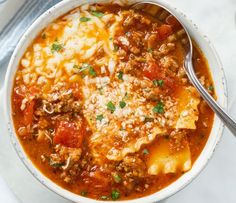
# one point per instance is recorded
(169, 83)
(69, 134)
(22, 92)
(18, 96)
(96, 178)
(164, 31)
(152, 71)
(171, 20)
(77, 92)
(28, 112)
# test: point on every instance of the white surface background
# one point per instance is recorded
(217, 183)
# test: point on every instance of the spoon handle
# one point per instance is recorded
(220, 112)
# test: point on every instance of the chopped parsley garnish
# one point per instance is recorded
(122, 104)
(92, 72)
(111, 107)
(145, 152)
(55, 164)
(84, 67)
(84, 193)
(56, 47)
(116, 48)
(158, 83)
(150, 50)
(120, 75)
(84, 19)
(44, 36)
(110, 38)
(117, 178)
(104, 197)
(99, 117)
(115, 194)
(82, 75)
(88, 67)
(100, 90)
(76, 67)
(126, 96)
(211, 88)
(98, 14)
(159, 108)
(148, 119)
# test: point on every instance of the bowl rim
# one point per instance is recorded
(8, 85)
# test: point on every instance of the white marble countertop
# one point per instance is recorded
(217, 183)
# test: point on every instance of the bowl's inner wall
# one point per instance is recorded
(217, 74)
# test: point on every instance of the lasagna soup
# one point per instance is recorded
(103, 107)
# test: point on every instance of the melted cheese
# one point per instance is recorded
(123, 131)
(80, 42)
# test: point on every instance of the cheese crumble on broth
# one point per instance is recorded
(102, 104)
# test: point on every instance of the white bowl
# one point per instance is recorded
(220, 87)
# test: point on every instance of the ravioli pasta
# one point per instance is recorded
(102, 104)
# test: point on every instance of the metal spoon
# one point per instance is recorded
(188, 65)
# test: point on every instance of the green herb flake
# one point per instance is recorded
(84, 19)
(82, 75)
(76, 67)
(159, 108)
(158, 83)
(100, 90)
(44, 36)
(211, 88)
(104, 197)
(116, 47)
(111, 38)
(84, 193)
(92, 72)
(145, 152)
(98, 14)
(99, 117)
(150, 50)
(84, 67)
(111, 107)
(122, 104)
(55, 164)
(117, 178)
(148, 119)
(56, 47)
(115, 195)
(126, 96)
(120, 75)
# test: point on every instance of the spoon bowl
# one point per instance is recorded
(189, 69)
